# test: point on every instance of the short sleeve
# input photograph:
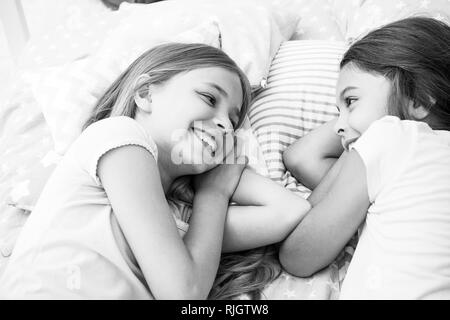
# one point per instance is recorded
(384, 147)
(105, 135)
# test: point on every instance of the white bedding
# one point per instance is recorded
(26, 146)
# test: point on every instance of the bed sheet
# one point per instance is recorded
(26, 158)
(11, 222)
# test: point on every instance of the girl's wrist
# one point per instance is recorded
(214, 193)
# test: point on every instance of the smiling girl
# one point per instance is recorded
(392, 136)
(103, 228)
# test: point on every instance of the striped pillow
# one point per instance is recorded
(300, 95)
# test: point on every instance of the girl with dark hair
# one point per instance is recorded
(382, 165)
(105, 226)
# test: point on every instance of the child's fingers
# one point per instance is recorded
(224, 177)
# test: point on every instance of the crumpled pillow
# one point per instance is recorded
(319, 20)
(67, 94)
(372, 14)
(27, 157)
(74, 29)
(248, 30)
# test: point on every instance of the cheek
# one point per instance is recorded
(182, 112)
(361, 119)
(199, 117)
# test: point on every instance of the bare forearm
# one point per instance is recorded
(316, 242)
(325, 184)
(249, 227)
(265, 213)
(337, 212)
(204, 237)
(302, 247)
(310, 174)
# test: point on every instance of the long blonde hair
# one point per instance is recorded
(246, 274)
(161, 63)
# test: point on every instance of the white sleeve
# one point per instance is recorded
(105, 135)
(384, 147)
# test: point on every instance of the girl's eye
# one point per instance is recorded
(210, 99)
(350, 101)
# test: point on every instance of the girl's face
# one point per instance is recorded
(193, 116)
(361, 98)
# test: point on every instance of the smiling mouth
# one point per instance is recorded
(207, 140)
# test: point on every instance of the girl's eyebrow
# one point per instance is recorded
(218, 88)
(345, 91)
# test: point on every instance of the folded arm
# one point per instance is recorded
(310, 157)
(265, 213)
(340, 205)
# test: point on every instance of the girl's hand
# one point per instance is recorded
(222, 179)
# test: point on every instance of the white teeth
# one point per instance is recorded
(206, 139)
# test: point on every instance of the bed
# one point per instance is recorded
(290, 50)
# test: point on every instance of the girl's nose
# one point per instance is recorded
(339, 125)
(221, 124)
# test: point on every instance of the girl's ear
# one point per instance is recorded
(143, 103)
(143, 98)
(418, 112)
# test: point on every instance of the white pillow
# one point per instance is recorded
(73, 29)
(250, 31)
(319, 20)
(67, 94)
